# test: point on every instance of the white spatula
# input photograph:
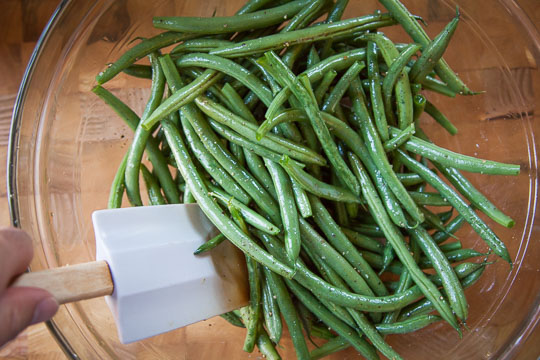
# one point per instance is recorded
(146, 269)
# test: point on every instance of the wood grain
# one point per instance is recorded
(21, 22)
(71, 283)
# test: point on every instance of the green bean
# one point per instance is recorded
(337, 11)
(315, 186)
(341, 87)
(405, 281)
(274, 86)
(388, 256)
(304, 16)
(462, 271)
(332, 277)
(248, 318)
(377, 262)
(211, 165)
(256, 167)
(139, 71)
(141, 136)
(342, 244)
(198, 45)
(253, 5)
(230, 68)
(306, 98)
(237, 103)
(188, 197)
(266, 347)
(411, 26)
(272, 315)
(375, 91)
(325, 290)
(248, 129)
(415, 88)
(117, 188)
(331, 346)
(425, 306)
(440, 118)
(453, 256)
(402, 89)
(332, 321)
(292, 54)
(436, 85)
(273, 121)
(419, 105)
(302, 200)
(255, 291)
(313, 57)
(230, 24)
(449, 158)
(354, 142)
(406, 326)
(233, 319)
(250, 216)
(324, 85)
(456, 245)
(397, 141)
(235, 138)
(432, 220)
(214, 213)
(181, 97)
(468, 190)
(342, 218)
(363, 241)
(470, 216)
(145, 47)
(396, 239)
(312, 241)
(432, 53)
(321, 332)
(427, 198)
(377, 154)
(274, 107)
(336, 62)
(449, 280)
(368, 230)
(308, 35)
(289, 213)
(157, 159)
(352, 210)
(245, 180)
(409, 179)
(289, 314)
(210, 244)
(397, 78)
(373, 335)
(253, 161)
(152, 186)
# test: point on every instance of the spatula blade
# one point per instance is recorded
(159, 285)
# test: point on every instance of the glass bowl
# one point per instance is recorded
(66, 145)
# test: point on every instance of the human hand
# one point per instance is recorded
(19, 306)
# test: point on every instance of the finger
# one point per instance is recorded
(15, 254)
(23, 306)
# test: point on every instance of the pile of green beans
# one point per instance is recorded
(297, 133)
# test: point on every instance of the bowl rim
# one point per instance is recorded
(12, 153)
(512, 6)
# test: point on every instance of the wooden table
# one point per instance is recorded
(21, 23)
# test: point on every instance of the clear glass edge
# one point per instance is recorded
(11, 172)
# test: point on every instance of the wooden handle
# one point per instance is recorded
(71, 283)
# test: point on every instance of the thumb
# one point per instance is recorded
(23, 306)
